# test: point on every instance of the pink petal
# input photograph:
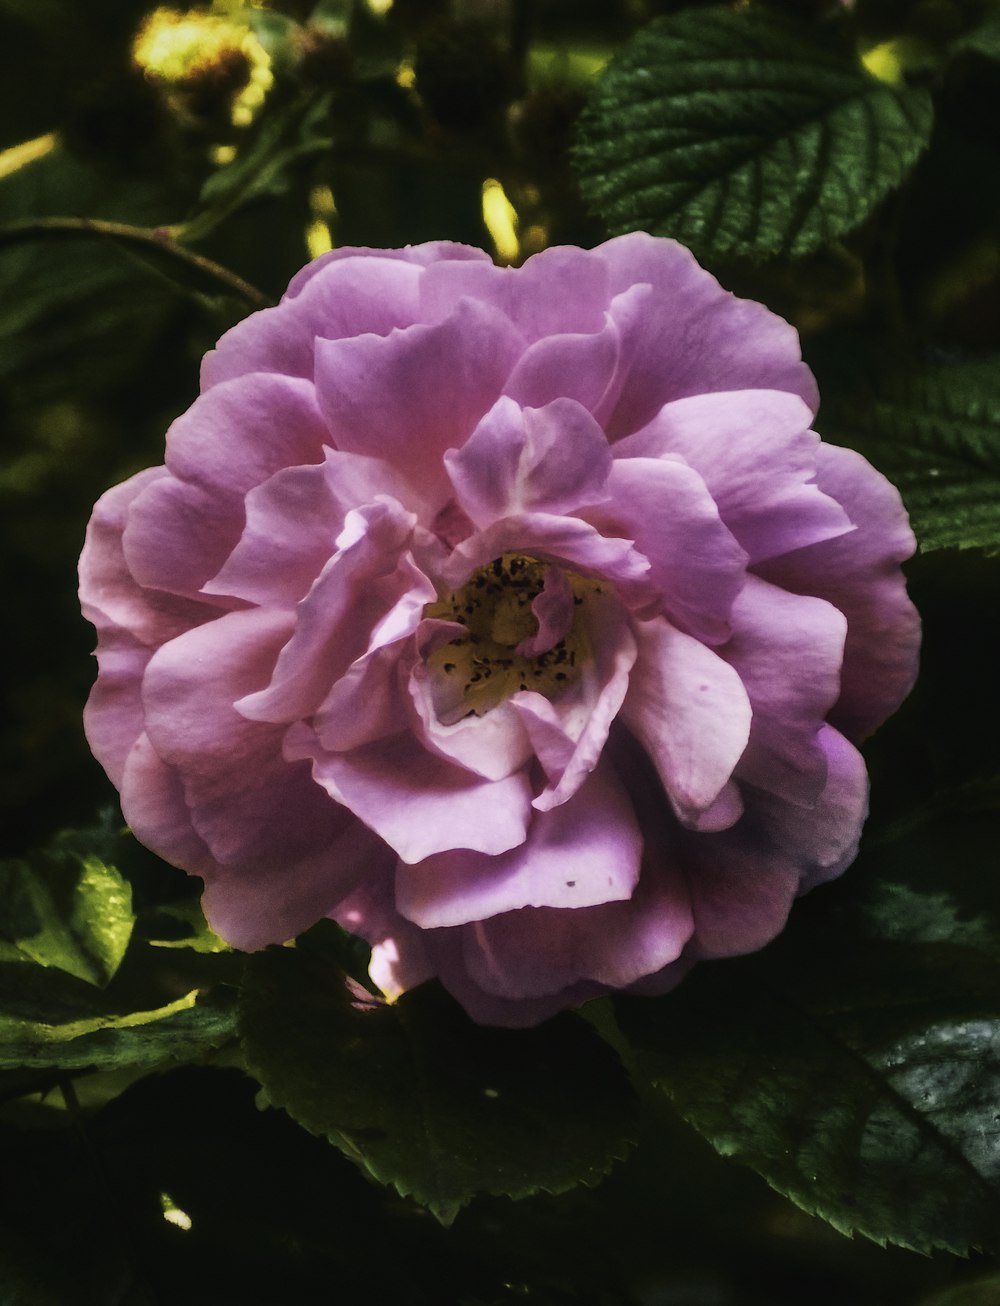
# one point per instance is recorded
(109, 595)
(755, 452)
(417, 802)
(788, 650)
(563, 540)
(492, 746)
(689, 710)
(577, 366)
(552, 460)
(695, 562)
(342, 297)
(241, 432)
(536, 951)
(860, 574)
(409, 396)
(420, 256)
(362, 583)
(112, 718)
(177, 535)
(560, 289)
(365, 704)
(246, 802)
(689, 336)
(584, 853)
(823, 838)
(568, 733)
(154, 807)
(554, 609)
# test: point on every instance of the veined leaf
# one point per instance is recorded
(855, 1063)
(422, 1098)
(935, 432)
(738, 133)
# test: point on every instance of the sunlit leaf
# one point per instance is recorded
(65, 907)
(738, 132)
(184, 1029)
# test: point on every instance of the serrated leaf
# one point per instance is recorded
(935, 432)
(855, 1064)
(68, 909)
(425, 1100)
(182, 1030)
(736, 132)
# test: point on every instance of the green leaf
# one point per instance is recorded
(183, 1030)
(935, 432)
(68, 909)
(855, 1063)
(266, 165)
(738, 133)
(423, 1099)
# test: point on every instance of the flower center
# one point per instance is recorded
(522, 634)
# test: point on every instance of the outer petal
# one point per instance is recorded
(537, 951)
(241, 432)
(109, 595)
(418, 803)
(860, 574)
(584, 853)
(691, 714)
(341, 297)
(112, 718)
(553, 460)
(690, 336)
(246, 802)
(561, 289)
(788, 650)
(755, 452)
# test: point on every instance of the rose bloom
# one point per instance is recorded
(513, 618)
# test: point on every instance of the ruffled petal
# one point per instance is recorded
(361, 585)
(566, 540)
(518, 460)
(788, 650)
(754, 451)
(329, 299)
(538, 951)
(112, 719)
(695, 563)
(860, 573)
(688, 336)
(109, 595)
(558, 290)
(690, 712)
(417, 802)
(409, 396)
(585, 853)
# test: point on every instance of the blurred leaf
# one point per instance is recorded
(738, 133)
(984, 39)
(266, 165)
(422, 1098)
(65, 907)
(182, 1030)
(183, 925)
(855, 1063)
(935, 432)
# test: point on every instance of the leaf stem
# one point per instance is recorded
(162, 239)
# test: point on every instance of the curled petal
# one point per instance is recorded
(417, 802)
(584, 853)
(689, 710)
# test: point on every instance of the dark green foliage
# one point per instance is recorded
(739, 132)
(421, 1097)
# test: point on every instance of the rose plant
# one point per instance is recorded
(513, 618)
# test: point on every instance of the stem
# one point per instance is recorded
(158, 238)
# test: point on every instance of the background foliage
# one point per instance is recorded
(179, 1123)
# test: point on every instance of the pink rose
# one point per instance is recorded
(513, 618)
